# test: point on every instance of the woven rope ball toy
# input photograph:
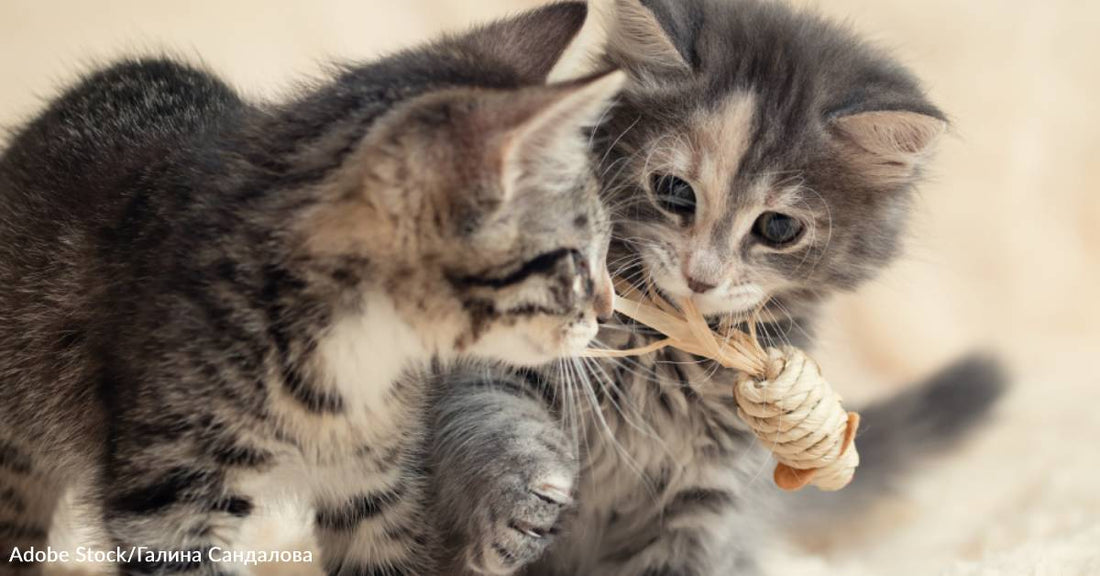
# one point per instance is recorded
(780, 393)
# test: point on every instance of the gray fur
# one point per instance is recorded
(190, 284)
(800, 117)
(505, 470)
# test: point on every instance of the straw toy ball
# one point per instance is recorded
(780, 393)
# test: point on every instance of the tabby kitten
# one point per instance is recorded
(760, 156)
(205, 301)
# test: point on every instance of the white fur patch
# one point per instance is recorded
(363, 355)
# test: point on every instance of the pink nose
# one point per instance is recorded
(697, 286)
(604, 304)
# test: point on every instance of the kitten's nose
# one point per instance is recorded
(698, 286)
(605, 299)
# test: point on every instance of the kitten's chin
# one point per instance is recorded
(740, 302)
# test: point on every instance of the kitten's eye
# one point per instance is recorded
(674, 194)
(777, 229)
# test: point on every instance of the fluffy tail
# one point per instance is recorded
(897, 433)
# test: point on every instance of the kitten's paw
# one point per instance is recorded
(519, 521)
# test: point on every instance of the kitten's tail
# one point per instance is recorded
(896, 434)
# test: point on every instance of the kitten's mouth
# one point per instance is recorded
(741, 301)
(576, 336)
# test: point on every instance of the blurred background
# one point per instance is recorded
(1004, 255)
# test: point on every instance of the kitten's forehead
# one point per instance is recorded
(720, 138)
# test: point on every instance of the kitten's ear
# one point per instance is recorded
(625, 29)
(888, 146)
(550, 145)
(533, 42)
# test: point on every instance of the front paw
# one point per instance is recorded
(519, 518)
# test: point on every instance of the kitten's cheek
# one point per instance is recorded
(526, 343)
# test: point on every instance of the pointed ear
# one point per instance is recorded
(582, 56)
(551, 146)
(636, 32)
(533, 42)
(625, 29)
(888, 146)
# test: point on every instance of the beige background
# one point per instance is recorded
(1003, 256)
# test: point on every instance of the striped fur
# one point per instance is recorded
(207, 302)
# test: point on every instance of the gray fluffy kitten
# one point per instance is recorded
(759, 156)
(205, 301)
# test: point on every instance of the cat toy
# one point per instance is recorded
(780, 392)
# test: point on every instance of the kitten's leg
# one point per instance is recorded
(682, 551)
(705, 523)
(504, 471)
(27, 504)
(178, 497)
(369, 515)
